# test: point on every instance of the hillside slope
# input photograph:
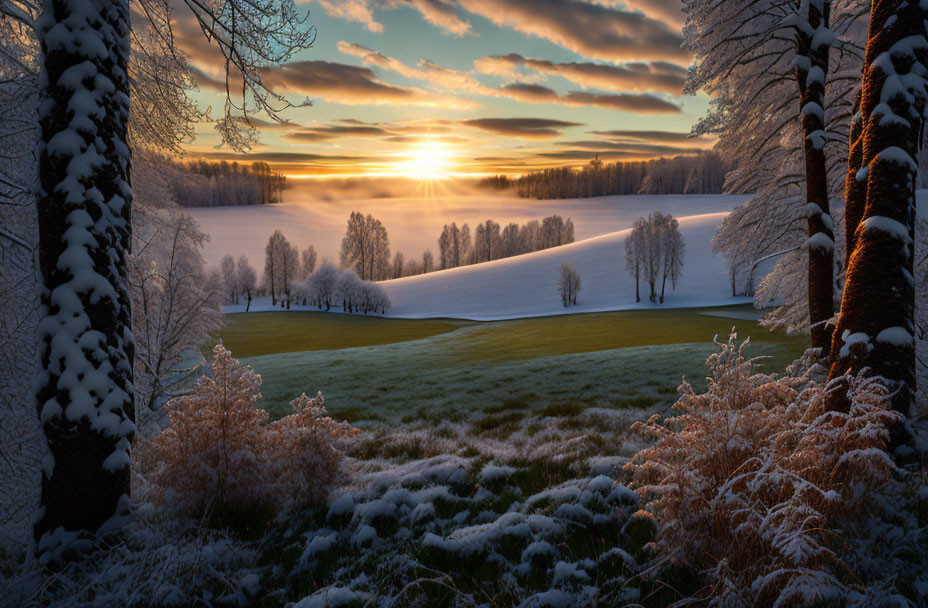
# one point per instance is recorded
(526, 285)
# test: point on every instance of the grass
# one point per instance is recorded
(382, 371)
(266, 333)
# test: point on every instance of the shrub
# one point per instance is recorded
(220, 458)
(757, 486)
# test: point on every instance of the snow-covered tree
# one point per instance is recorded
(85, 392)
(348, 291)
(247, 279)
(374, 298)
(674, 249)
(781, 105)
(876, 326)
(568, 284)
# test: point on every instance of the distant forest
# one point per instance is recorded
(700, 174)
(200, 183)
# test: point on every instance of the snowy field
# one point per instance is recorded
(414, 223)
(526, 285)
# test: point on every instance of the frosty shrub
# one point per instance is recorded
(220, 458)
(758, 487)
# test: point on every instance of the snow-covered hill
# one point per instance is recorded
(526, 285)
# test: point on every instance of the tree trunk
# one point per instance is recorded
(85, 393)
(812, 48)
(876, 326)
(637, 294)
(663, 285)
(855, 190)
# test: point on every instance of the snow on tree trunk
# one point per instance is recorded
(84, 391)
(855, 185)
(813, 42)
(876, 326)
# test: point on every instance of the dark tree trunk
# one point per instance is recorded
(663, 285)
(876, 326)
(811, 71)
(855, 184)
(637, 293)
(85, 394)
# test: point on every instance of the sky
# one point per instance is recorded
(436, 88)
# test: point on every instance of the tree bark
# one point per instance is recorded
(876, 326)
(85, 393)
(812, 50)
(855, 190)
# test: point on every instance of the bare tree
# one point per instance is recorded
(247, 279)
(428, 262)
(366, 247)
(674, 247)
(634, 252)
(309, 262)
(568, 284)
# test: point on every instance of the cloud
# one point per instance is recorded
(455, 80)
(626, 102)
(351, 85)
(669, 11)
(593, 30)
(668, 137)
(660, 76)
(326, 133)
(529, 128)
(358, 11)
(441, 13)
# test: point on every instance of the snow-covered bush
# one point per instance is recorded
(329, 287)
(761, 489)
(219, 456)
(348, 290)
(320, 286)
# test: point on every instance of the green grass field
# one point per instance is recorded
(423, 372)
(266, 333)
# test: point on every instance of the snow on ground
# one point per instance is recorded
(526, 286)
(414, 223)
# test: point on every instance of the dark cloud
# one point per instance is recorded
(593, 30)
(529, 128)
(627, 102)
(329, 132)
(660, 76)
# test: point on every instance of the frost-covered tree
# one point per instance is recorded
(348, 290)
(308, 259)
(634, 252)
(428, 261)
(176, 306)
(568, 284)
(374, 299)
(321, 285)
(781, 104)
(247, 279)
(674, 249)
(229, 278)
(366, 247)
(876, 327)
(487, 241)
(399, 266)
(654, 250)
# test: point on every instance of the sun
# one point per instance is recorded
(427, 161)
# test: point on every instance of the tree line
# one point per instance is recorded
(199, 183)
(490, 241)
(703, 173)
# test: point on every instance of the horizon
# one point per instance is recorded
(433, 91)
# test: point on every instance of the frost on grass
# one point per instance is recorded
(754, 481)
(454, 531)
